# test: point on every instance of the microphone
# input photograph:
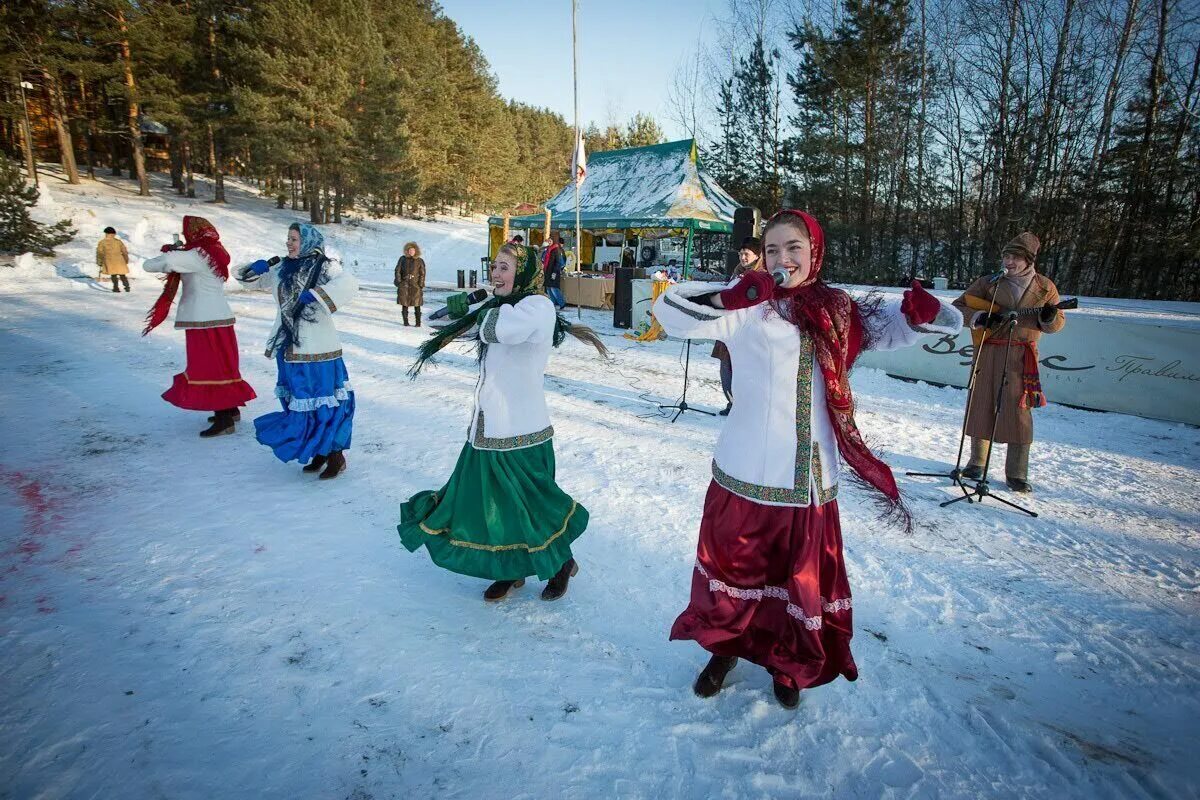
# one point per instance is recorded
(995, 277)
(272, 261)
(477, 296)
(779, 276)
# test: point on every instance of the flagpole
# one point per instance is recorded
(575, 168)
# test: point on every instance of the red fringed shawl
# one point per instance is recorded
(834, 323)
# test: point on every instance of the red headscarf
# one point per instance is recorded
(198, 234)
(834, 323)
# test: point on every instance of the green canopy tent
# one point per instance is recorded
(658, 188)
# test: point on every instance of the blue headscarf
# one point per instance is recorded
(310, 238)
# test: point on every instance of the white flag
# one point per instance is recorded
(579, 160)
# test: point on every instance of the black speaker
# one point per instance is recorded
(746, 220)
(623, 298)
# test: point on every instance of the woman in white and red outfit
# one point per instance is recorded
(212, 380)
(769, 583)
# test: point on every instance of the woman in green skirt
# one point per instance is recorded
(501, 516)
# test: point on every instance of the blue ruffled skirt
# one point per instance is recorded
(318, 410)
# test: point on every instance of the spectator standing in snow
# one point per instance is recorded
(770, 583)
(313, 386)
(113, 259)
(553, 262)
(212, 380)
(748, 259)
(502, 516)
(410, 282)
(984, 305)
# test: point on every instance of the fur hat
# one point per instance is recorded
(1025, 245)
(752, 244)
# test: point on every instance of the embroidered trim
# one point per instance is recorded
(773, 592)
(837, 605)
(338, 397)
(211, 383)
(214, 323)
(292, 357)
(488, 331)
(504, 547)
(818, 476)
(675, 304)
(321, 293)
(481, 442)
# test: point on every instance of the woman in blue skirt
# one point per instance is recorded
(313, 386)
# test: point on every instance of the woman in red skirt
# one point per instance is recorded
(212, 380)
(769, 583)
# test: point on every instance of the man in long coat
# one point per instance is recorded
(986, 307)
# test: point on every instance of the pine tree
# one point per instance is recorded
(19, 232)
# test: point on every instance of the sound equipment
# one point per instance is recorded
(623, 298)
(746, 221)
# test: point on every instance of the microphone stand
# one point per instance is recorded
(682, 405)
(982, 488)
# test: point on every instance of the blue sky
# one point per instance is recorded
(628, 51)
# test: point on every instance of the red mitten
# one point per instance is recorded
(754, 287)
(166, 248)
(919, 306)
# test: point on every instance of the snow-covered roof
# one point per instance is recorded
(659, 186)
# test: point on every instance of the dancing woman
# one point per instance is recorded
(502, 516)
(313, 386)
(769, 583)
(212, 379)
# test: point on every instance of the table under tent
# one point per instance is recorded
(656, 201)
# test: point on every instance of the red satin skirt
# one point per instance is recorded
(770, 587)
(212, 380)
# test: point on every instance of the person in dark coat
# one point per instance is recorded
(748, 259)
(410, 281)
(553, 262)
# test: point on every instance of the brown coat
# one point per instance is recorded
(410, 281)
(1016, 424)
(111, 256)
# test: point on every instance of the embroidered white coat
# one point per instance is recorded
(202, 302)
(510, 399)
(319, 338)
(777, 446)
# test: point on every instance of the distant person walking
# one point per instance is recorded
(113, 259)
(553, 262)
(410, 281)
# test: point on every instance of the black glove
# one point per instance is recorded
(1048, 313)
(993, 319)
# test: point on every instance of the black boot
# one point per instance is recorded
(237, 416)
(335, 465)
(223, 423)
(712, 677)
(556, 587)
(500, 589)
(114, 283)
(404, 313)
(1019, 486)
(788, 696)
(316, 464)
(972, 472)
(417, 311)
(125, 282)
(725, 411)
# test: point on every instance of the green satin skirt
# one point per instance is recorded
(500, 517)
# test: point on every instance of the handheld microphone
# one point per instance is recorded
(477, 296)
(779, 276)
(272, 261)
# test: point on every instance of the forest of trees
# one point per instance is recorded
(925, 133)
(383, 106)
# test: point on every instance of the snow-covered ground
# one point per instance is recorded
(187, 618)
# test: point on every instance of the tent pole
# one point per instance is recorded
(687, 251)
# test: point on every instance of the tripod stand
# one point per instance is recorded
(982, 488)
(682, 405)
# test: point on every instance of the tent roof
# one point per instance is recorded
(660, 186)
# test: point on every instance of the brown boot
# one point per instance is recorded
(404, 313)
(335, 465)
(500, 589)
(556, 587)
(316, 464)
(712, 677)
(222, 424)
(237, 416)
